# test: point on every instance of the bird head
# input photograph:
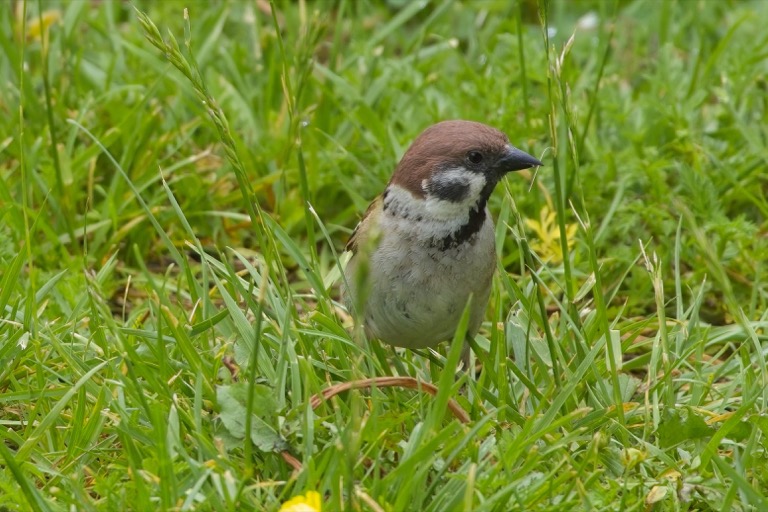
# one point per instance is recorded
(455, 165)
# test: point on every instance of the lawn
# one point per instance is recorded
(177, 189)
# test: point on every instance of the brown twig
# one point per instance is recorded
(387, 382)
(291, 460)
(230, 365)
(379, 382)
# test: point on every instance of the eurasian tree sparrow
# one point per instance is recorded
(427, 243)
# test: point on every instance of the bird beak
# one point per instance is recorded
(516, 160)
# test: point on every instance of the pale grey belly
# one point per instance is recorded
(418, 295)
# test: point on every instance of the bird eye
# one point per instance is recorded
(475, 157)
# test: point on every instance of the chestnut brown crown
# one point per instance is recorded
(457, 143)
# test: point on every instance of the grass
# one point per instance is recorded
(176, 194)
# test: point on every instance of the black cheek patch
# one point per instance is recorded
(454, 191)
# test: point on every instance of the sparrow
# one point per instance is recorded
(427, 243)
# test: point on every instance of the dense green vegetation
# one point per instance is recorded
(175, 199)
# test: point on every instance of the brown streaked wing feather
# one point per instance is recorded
(360, 234)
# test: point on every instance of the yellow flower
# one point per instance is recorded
(546, 243)
(37, 26)
(38, 29)
(310, 502)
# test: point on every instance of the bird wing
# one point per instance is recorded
(362, 232)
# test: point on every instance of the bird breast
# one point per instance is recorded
(418, 291)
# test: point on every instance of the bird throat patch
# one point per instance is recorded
(429, 223)
(466, 231)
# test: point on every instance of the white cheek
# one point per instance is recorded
(445, 209)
